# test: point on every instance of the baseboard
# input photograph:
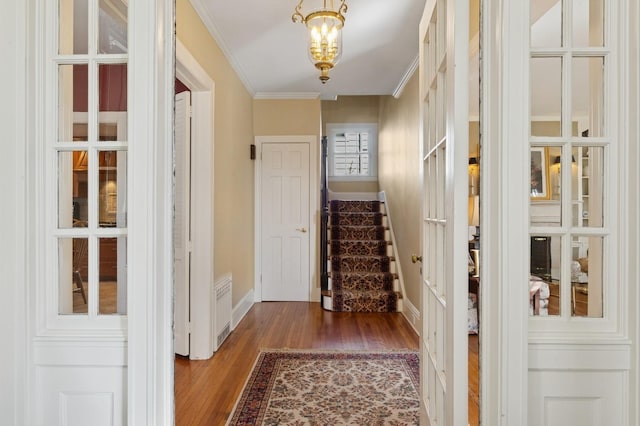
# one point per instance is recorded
(241, 309)
(412, 314)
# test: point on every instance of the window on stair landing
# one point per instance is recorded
(353, 151)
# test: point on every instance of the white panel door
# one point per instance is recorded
(181, 223)
(285, 221)
(444, 92)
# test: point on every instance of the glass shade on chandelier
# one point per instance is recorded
(324, 25)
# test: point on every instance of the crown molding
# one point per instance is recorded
(406, 77)
(287, 95)
(208, 21)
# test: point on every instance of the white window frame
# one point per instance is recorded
(372, 130)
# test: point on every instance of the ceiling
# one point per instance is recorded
(268, 51)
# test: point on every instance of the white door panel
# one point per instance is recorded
(181, 225)
(285, 221)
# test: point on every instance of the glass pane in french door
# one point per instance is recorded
(112, 26)
(73, 97)
(588, 23)
(111, 268)
(73, 266)
(73, 18)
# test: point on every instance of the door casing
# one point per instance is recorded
(202, 87)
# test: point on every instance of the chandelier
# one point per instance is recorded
(325, 34)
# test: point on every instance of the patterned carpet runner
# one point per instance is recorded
(361, 268)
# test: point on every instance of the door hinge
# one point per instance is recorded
(189, 246)
(189, 111)
(188, 328)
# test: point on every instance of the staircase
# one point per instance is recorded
(361, 274)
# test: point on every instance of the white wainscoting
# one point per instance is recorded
(561, 398)
(586, 385)
(65, 396)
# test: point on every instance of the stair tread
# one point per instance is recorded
(332, 212)
(365, 292)
(358, 226)
(358, 241)
(343, 274)
(360, 256)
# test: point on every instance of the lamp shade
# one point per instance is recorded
(325, 41)
(474, 211)
(324, 25)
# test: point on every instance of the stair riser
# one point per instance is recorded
(392, 268)
(363, 303)
(395, 286)
(355, 219)
(360, 248)
(355, 265)
(355, 206)
(359, 233)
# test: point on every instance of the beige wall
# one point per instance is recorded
(351, 109)
(280, 117)
(355, 186)
(286, 117)
(233, 170)
(399, 177)
(474, 139)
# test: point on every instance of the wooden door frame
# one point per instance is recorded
(202, 308)
(314, 220)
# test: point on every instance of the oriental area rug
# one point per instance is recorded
(331, 388)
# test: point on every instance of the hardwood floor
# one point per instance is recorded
(474, 380)
(206, 391)
(107, 299)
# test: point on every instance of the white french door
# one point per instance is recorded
(578, 132)
(98, 344)
(444, 92)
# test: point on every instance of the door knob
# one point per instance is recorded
(303, 230)
(415, 258)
